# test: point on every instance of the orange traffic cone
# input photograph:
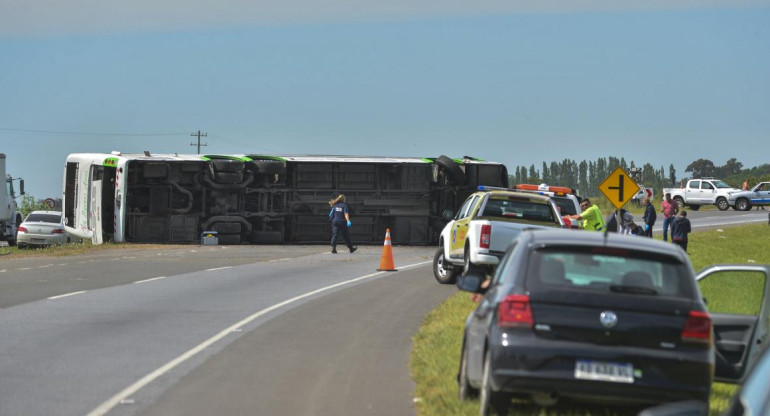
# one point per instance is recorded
(386, 261)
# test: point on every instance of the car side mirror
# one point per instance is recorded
(448, 214)
(471, 282)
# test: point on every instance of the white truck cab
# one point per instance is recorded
(10, 217)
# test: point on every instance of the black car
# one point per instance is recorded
(603, 318)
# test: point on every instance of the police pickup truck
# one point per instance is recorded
(759, 195)
(485, 225)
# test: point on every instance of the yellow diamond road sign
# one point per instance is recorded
(619, 188)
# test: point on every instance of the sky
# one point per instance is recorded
(513, 81)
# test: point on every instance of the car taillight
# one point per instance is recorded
(57, 231)
(23, 229)
(697, 328)
(515, 312)
(486, 236)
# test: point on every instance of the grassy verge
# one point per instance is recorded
(436, 347)
(71, 249)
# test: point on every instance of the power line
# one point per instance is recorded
(199, 140)
(75, 133)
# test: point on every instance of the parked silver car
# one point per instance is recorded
(43, 228)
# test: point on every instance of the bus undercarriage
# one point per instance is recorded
(277, 200)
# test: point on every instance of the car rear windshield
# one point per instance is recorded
(54, 219)
(519, 208)
(605, 269)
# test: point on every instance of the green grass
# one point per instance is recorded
(71, 249)
(436, 347)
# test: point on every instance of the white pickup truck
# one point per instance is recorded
(485, 225)
(704, 191)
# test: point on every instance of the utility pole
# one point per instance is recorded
(199, 134)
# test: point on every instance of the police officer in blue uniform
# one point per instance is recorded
(340, 219)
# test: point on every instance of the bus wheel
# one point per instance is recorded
(455, 173)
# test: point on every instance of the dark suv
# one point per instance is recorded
(603, 318)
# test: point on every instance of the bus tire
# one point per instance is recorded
(453, 171)
(227, 165)
(227, 227)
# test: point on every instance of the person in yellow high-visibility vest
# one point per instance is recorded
(591, 217)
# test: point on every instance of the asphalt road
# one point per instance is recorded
(707, 219)
(236, 330)
(309, 333)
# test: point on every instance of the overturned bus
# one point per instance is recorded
(259, 199)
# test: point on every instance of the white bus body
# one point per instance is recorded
(147, 198)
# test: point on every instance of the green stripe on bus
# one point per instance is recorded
(267, 157)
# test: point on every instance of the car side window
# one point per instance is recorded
(722, 288)
(464, 208)
(505, 268)
(469, 208)
(694, 184)
(707, 185)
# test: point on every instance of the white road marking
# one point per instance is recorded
(62, 264)
(270, 261)
(150, 280)
(3, 271)
(24, 268)
(45, 266)
(219, 268)
(149, 378)
(66, 295)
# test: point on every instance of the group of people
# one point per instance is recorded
(622, 221)
(591, 218)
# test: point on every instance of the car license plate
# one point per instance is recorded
(604, 371)
(39, 240)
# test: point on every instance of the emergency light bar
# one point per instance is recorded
(541, 189)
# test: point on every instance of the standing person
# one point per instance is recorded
(340, 219)
(680, 227)
(591, 216)
(626, 225)
(669, 208)
(649, 216)
(745, 185)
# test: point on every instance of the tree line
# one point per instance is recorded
(586, 176)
